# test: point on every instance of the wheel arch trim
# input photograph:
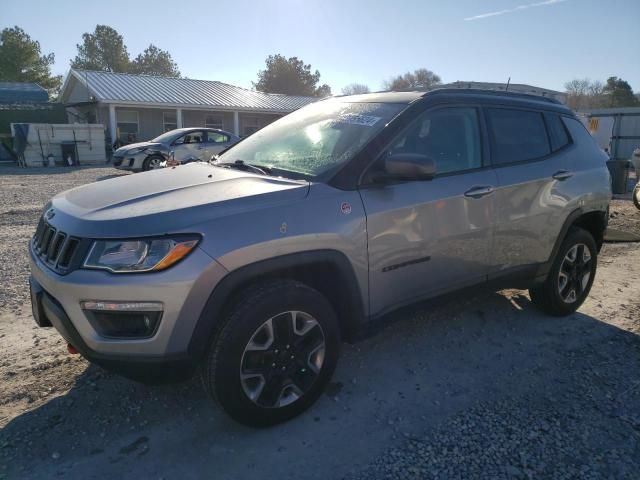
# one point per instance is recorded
(210, 318)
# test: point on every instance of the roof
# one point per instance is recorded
(19, 92)
(512, 87)
(383, 97)
(123, 88)
(477, 94)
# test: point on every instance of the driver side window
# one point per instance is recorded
(448, 136)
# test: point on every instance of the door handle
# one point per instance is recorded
(478, 192)
(562, 175)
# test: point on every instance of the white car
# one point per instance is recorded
(183, 144)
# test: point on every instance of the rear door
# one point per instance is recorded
(216, 142)
(530, 166)
(427, 237)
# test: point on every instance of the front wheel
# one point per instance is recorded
(571, 275)
(152, 163)
(275, 353)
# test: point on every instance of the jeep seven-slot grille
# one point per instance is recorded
(55, 248)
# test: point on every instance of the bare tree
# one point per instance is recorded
(596, 88)
(577, 91)
(420, 79)
(355, 89)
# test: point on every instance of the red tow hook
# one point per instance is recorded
(71, 349)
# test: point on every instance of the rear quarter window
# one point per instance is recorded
(517, 135)
(578, 131)
(557, 131)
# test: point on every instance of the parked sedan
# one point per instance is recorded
(183, 144)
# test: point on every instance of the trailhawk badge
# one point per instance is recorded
(345, 208)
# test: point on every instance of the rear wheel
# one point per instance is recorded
(571, 275)
(274, 355)
(152, 163)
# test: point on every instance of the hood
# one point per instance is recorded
(168, 200)
(126, 148)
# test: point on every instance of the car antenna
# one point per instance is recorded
(508, 82)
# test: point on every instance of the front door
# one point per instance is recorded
(428, 237)
(190, 146)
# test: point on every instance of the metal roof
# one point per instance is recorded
(123, 88)
(19, 92)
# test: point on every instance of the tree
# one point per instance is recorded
(355, 89)
(22, 61)
(584, 94)
(619, 93)
(102, 50)
(290, 76)
(154, 61)
(577, 91)
(420, 79)
(596, 88)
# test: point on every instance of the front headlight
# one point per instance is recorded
(135, 151)
(139, 255)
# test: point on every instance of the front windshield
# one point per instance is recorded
(315, 139)
(167, 137)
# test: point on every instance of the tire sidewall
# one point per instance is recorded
(147, 161)
(228, 388)
(576, 236)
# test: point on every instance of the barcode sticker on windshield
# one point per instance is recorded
(356, 119)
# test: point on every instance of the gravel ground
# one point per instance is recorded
(484, 387)
(23, 194)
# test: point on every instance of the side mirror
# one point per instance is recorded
(406, 167)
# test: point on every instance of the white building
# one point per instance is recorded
(142, 107)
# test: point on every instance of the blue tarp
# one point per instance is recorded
(16, 92)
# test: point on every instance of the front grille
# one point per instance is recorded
(57, 249)
(117, 161)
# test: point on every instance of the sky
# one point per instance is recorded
(542, 43)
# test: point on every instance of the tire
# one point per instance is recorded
(636, 195)
(244, 369)
(149, 163)
(554, 299)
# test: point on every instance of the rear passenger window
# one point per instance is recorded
(558, 132)
(517, 135)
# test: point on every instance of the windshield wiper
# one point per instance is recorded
(245, 167)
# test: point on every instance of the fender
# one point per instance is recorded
(568, 223)
(213, 313)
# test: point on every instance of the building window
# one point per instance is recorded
(250, 125)
(213, 120)
(127, 126)
(169, 121)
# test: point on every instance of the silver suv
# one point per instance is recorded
(252, 269)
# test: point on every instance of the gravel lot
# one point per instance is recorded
(484, 387)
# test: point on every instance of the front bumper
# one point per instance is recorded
(183, 291)
(147, 369)
(130, 162)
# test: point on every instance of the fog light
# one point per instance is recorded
(123, 319)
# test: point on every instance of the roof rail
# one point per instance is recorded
(482, 91)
